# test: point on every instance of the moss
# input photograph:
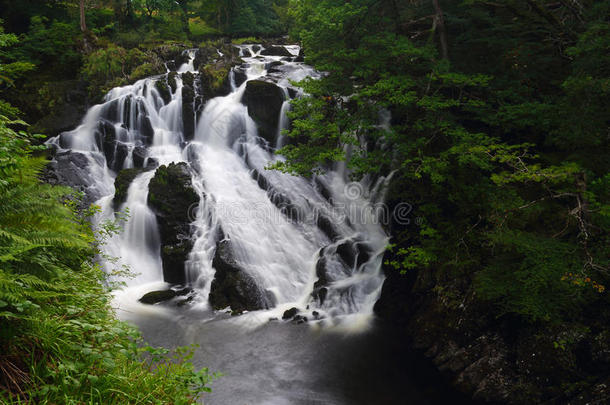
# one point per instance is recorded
(163, 89)
(216, 75)
(122, 183)
(171, 80)
(146, 70)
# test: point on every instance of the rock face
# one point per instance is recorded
(171, 196)
(72, 169)
(264, 101)
(494, 360)
(232, 286)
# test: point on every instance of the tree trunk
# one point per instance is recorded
(83, 23)
(439, 23)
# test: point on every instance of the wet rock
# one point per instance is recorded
(246, 53)
(301, 56)
(240, 76)
(214, 80)
(347, 252)
(105, 137)
(171, 81)
(256, 47)
(188, 106)
(204, 56)
(353, 254)
(264, 101)
(320, 289)
(299, 319)
(290, 313)
(232, 286)
(146, 129)
(323, 189)
(271, 65)
(122, 151)
(292, 92)
(115, 151)
(72, 169)
(280, 200)
(155, 297)
(163, 88)
(185, 301)
(139, 156)
(121, 185)
(171, 52)
(171, 197)
(329, 228)
(152, 163)
(276, 50)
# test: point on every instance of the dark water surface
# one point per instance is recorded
(284, 363)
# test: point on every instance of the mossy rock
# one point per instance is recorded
(171, 81)
(163, 89)
(276, 50)
(264, 101)
(215, 80)
(121, 185)
(171, 197)
(233, 286)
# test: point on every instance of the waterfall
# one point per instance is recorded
(314, 244)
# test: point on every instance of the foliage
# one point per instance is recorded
(499, 157)
(113, 66)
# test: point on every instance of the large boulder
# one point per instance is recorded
(171, 196)
(214, 80)
(276, 50)
(214, 68)
(233, 286)
(73, 169)
(264, 101)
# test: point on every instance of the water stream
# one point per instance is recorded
(328, 222)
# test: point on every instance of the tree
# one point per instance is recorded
(491, 150)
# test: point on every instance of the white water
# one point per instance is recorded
(279, 253)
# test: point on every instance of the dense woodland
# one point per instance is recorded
(499, 140)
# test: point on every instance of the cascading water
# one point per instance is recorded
(288, 244)
(304, 243)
